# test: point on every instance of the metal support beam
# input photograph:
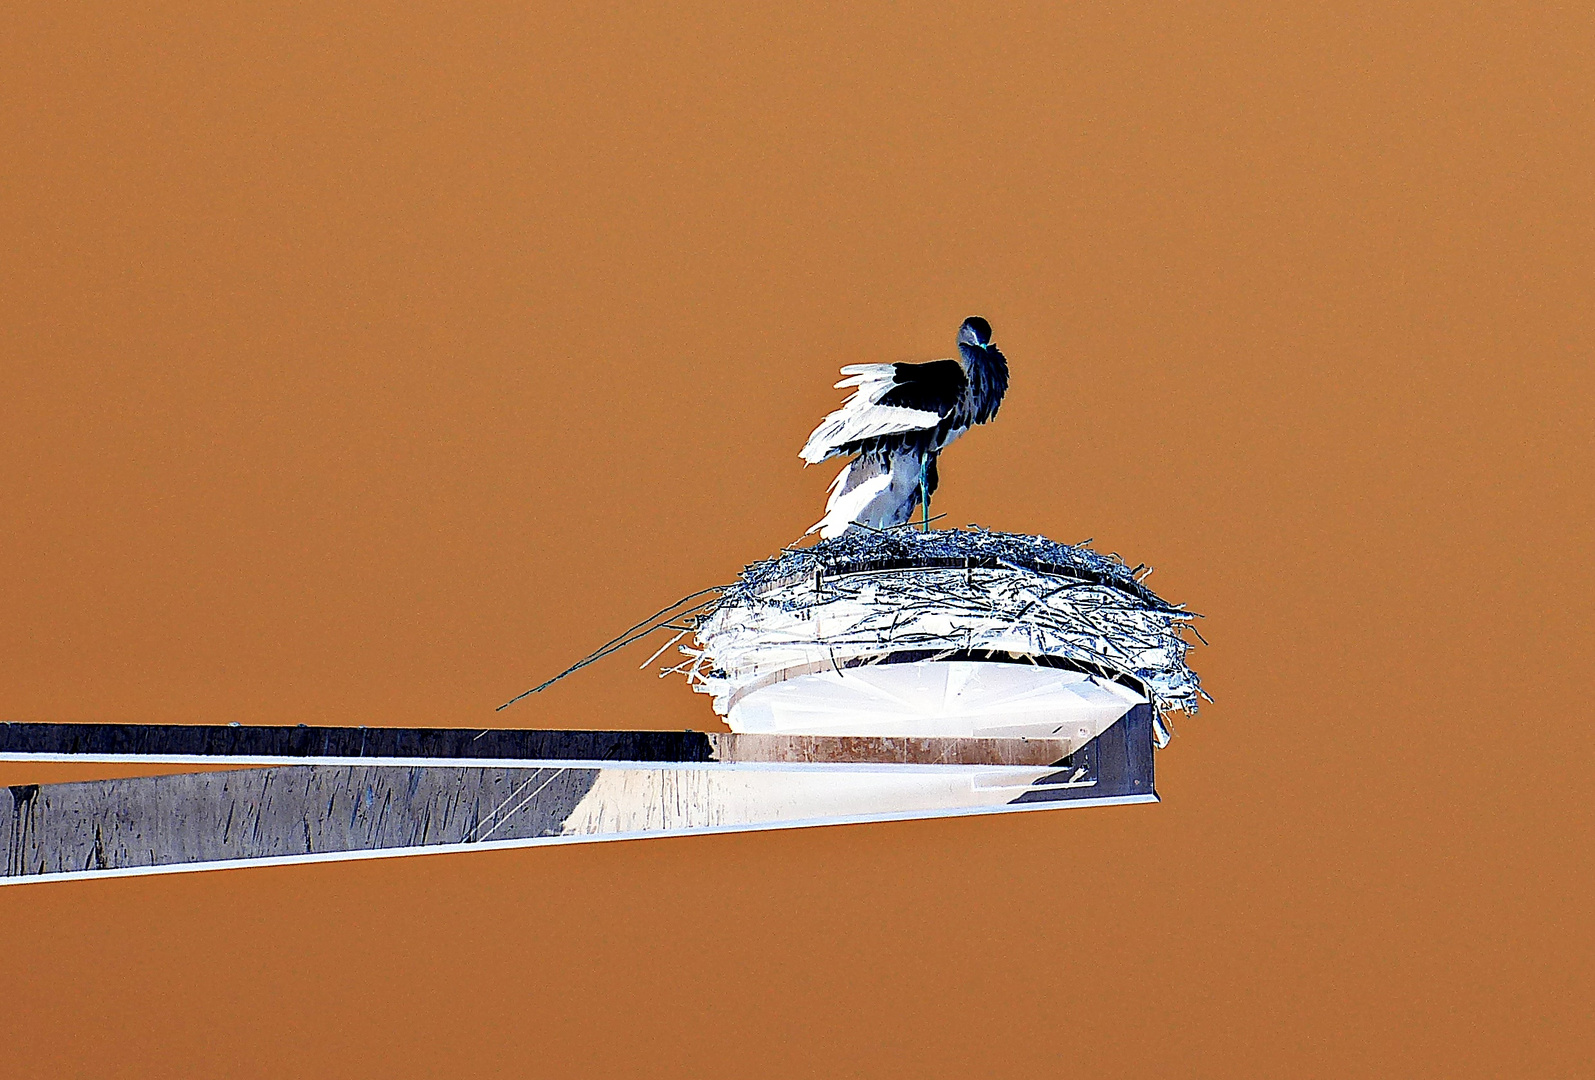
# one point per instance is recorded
(377, 801)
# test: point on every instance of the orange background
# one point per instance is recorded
(365, 366)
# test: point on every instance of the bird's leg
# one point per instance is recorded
(924, 499)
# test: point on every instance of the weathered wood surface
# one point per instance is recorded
(248, 814)
(298, 813)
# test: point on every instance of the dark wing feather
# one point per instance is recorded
(936, 387)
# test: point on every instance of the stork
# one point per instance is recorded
(899, 418)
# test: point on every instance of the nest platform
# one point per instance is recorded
(948, 633)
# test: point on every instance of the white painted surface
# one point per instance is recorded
(951, 698)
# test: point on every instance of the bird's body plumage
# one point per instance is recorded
(897, 420)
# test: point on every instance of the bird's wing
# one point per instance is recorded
(855, 422)
(935, 387)
(889, 399)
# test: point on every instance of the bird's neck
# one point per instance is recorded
(987, 370)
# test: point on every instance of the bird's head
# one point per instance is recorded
(975, 331)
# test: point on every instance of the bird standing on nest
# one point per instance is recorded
(898, 419)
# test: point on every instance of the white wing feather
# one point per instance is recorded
(878, 377)
(862, 416)
(851, 423)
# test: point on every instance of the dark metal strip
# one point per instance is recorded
(279, 745)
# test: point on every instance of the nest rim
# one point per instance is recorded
(890, 551)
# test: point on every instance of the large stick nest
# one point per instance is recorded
(948, 592)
